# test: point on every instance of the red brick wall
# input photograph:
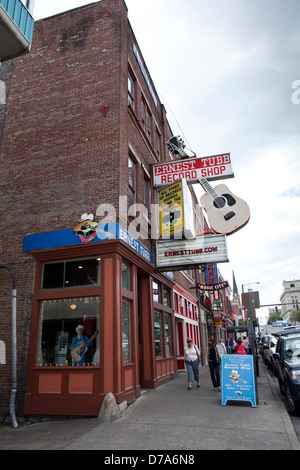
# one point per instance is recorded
(60, 156)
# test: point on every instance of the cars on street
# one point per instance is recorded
(287, 366)
(269, 344)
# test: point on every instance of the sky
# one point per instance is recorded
(228, 74)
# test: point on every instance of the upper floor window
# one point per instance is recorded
(146, 119)
(148, 125)
(131, 182)
(147, 194)
(157, 144)
(71, 273)
(131, 89)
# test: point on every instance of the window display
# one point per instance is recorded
(168, 334)
(69, 332)
(156, 292)
(158, 334)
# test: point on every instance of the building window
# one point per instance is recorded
(146, 120)
(158, 334)
(69, 332)
(147, 194)
(73, 273)
(156, 292)
(131, 90)
(125, 275)
(166, 299)
(126, 331)
(131, 182)
(168, 334)
(148, 125)
(162, 320)
(158, 144)
(144, 107)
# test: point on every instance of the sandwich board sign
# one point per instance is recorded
(238, 378)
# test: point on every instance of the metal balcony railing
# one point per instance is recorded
(16, 29)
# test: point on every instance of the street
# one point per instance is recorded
(169, 418)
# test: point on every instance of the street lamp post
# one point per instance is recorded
(13, 418)
(252, 335)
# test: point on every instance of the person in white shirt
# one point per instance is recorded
(192, 360)
(221, 348)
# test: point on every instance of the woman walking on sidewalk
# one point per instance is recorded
(192, 361)
(213, 360)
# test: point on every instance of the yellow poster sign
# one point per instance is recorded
(171, 210)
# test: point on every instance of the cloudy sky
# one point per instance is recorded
(228, 74)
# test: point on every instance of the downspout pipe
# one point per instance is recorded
(13, 394)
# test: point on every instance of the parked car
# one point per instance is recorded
(280, 323)
(260, 346)
(287, 364)
(269, 345)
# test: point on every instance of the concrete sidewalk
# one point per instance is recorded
(171, 418)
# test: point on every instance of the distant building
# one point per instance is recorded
(290, 297)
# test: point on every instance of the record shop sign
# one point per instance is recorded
(175, 255)
(212, 168)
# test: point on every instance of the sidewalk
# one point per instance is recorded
(171, 418)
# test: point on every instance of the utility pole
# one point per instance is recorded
(252, 336)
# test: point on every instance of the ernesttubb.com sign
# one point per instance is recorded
(172, 255)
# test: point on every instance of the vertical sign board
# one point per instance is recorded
(238, 378)
(176, 211)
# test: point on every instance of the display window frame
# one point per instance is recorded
(43, 296)
(127, 298)
(162, 306)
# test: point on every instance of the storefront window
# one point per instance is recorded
(126, 331)
(156, 292)
(168, 334)
(166, 296)
(69, 332)
(125, 276)
(158, 334)
(73, 273)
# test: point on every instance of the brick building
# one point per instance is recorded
(81, 127)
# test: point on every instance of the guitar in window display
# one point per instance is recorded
(226, 212)
(79, 351)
